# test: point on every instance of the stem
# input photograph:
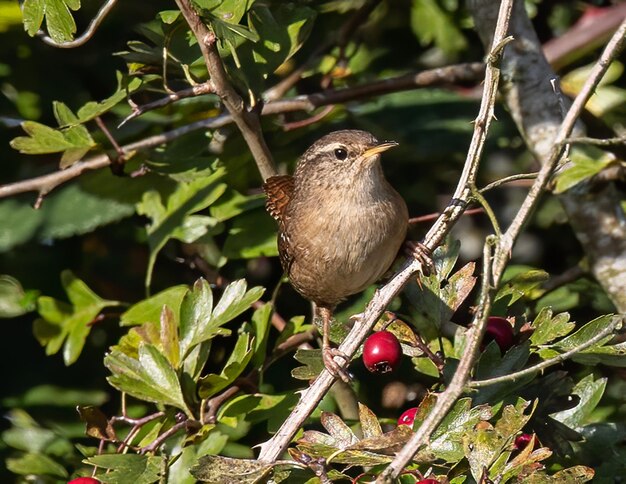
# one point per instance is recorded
(246, 120)
(550, 362)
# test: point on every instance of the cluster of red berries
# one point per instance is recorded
(382, 351)
(84, 480)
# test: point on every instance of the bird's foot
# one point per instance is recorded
(334, 368)
(420, 252)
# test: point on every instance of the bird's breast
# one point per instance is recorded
(341, 245)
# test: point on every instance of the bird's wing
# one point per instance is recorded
(278, 190)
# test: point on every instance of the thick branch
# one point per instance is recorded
(461, 73)
(246, 120)
(596, 217)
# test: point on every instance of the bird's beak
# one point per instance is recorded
(379, 149)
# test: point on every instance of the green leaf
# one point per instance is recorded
(213, 444)
(260, 331)
(68, 323)
(59, 21)
(33, 12)
(225, 470)
(19, 223)
(447, 441)
(431, 23)
(195, 317)
(483, 446)
(41, 139)
(584, 162)
(281, 31)
(312, 359)
(590, 392)
(252, 235)
(588, 331)
(74, 141)
(14, 301)
(125, 468)
(233, 203)
(237, 362)
(149, 310)
(521, 285)
(172, 219)
(93, 109)
(234, 301)
(492, 364)
(548, 328)
(150, 377)
(260, 407)
(35, 464)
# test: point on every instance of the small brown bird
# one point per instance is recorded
(340, 223)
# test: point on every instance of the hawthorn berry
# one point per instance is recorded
(382, 352)
(500, 331)
(522, 441)
(408, 417)
(84, 480)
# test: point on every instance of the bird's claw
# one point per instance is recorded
(420, 252)
(334, 368)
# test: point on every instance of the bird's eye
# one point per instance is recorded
(341, 154)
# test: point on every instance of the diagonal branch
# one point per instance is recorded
(246, 120)
(492, 270)
(273, 448)
(594, 214)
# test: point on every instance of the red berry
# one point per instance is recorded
(382, 352)
(522, 441)
(428, 481)
(408, 417)
(500, 330)
(84, 480)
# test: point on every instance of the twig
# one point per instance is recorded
(584, 140)
(156, 443)
(197, 90)
(117, 163)
(246, 120)
(433, 216)
(434, 77)
(273, 448)
(88, 34)
(549, 362)
(508, 179)
(571, 274)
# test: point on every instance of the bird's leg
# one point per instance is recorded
(419, 251)
(328, 352)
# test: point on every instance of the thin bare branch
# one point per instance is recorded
(193, 91)
(461, 73)
(89, 32)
